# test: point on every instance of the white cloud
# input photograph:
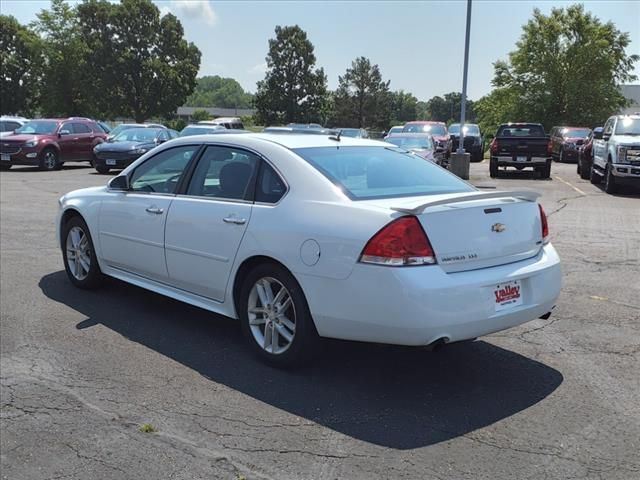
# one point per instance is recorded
(258, 69)
(197, 9)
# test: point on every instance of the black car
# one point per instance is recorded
(473, 142)
(126, 147)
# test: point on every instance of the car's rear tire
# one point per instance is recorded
(79, 255)
(50, 160)
(493, 168)
(594, 176)
(275, 317)
(102, 170)
(545, 171)
(610, 185)
(584, 171)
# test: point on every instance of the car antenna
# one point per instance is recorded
(336, 137)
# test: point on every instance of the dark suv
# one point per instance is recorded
(48, 143)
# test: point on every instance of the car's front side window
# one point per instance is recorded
(162, 172)
(224, 172)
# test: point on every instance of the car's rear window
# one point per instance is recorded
(521, 131)
(365, 173)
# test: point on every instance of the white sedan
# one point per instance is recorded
(307, 236)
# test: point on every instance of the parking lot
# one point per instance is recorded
(83, 370)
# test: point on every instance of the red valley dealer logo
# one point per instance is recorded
(507, 293)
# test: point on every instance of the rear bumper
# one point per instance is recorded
(505, 161)
(418, 305)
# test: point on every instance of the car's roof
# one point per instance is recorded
(291, 141)
(11, 117)
(424, 122)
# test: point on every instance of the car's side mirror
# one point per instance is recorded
(606, 136)
(120, 183)
(64, 132)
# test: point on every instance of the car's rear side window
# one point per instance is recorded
(521, 131)
(381, 172)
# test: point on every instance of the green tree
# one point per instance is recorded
(216, 91)
(65, 90)
(404, 107)
(293, 90)
(200, 115)
(363, 99)
(500, 106)
(147, 68)
(20, 61)
(567, 68)
(447, 109)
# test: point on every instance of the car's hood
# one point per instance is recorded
(628, 139)
(23, 138)
(82, 193)
(441, 138)
(123, 146)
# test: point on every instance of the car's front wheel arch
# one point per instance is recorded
(66, 216)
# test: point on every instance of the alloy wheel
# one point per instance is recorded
(50, 160)
(78, 253)
(272, 315)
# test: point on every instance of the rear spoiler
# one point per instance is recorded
(526, 195)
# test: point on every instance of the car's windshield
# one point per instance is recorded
(576, 132)
(471, 130)
(137, 135)
(200, 130)
(412, 142)
(432, 128)
(628, 126)
(39, 127)
(381, 172)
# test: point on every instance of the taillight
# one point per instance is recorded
(402, 242)
(549, 147)
(494, 146)
(545, 225)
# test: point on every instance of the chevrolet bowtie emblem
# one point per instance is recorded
(498, 227)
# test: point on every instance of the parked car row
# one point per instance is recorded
(49, 143)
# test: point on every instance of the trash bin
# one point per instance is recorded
(459, 164)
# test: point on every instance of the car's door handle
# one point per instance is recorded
(234, 220)
(154, 209)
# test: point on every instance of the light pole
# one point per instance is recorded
(463, 109)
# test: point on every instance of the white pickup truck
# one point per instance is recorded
(616, 153)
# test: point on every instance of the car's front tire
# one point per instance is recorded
(594, 176)
(50, 160)
(610, 185)
(275, 317)
(79, 256)
(102, 170)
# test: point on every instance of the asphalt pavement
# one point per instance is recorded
(82, 372)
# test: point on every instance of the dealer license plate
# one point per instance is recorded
(507, 295)
(110, 162)
(521, 159)
(5, 157)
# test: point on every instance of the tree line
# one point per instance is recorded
(111, 60)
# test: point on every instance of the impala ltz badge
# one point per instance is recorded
(498, 227)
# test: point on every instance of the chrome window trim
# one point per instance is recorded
(261, 157)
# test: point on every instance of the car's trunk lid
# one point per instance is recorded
(478, 229)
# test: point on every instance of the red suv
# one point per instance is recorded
(48, 143)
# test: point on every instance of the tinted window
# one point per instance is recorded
(412, 142)
(381, 172)
(628, 126)
(576, 132)
(521, 131)
(471, 130)
(224, 172)
(270, 187)
(80, 128)
(6, 126)
(137, 135)
(162, 172)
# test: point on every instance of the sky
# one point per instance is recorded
(419, 45)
